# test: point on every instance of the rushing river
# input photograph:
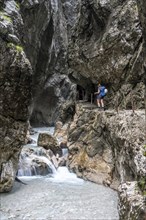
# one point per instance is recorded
(61, 196)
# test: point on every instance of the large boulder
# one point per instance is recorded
(47, 141)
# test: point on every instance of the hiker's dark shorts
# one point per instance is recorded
(99, 96)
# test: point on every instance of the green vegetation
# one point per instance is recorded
(144, 153)
(142, 185)
(144, 147)
(5, 17)
(18, 48)
(17, 5)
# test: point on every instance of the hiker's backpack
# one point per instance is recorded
(105, 91)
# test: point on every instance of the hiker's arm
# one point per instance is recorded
(97, 92)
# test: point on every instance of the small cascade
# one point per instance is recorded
(34, 165)
(64, 176)
(37, 161)
(49, 163)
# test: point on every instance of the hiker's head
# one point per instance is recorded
(98, 84)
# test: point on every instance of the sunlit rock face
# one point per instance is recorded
(107, 45)
(15, 93)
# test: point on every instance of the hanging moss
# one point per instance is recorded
(18, 48)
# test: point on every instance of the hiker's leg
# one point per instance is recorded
(102, 103)
(98, 103)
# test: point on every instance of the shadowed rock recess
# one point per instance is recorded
(49, 49)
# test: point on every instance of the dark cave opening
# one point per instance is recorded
(86, 94)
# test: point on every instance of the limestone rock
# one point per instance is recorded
(46, 43)
(47, 141)
(108, 148)
(104, 47)
(115, 139)
(61, 131)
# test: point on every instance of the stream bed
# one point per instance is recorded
(47, 199)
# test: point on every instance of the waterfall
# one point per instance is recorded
(35, 161)
(34, 165)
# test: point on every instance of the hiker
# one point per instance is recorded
(100, 94)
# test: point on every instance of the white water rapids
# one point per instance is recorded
(59, 196)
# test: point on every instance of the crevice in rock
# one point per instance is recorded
(44, 56)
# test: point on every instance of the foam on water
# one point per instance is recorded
(64, 176)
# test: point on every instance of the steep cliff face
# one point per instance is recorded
(108, 148)
(15, 93)
(46, 43)
(106, 45)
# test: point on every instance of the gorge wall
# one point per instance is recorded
(107, 46)
(15, 93)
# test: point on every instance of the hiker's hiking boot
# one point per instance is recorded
(100, 108)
